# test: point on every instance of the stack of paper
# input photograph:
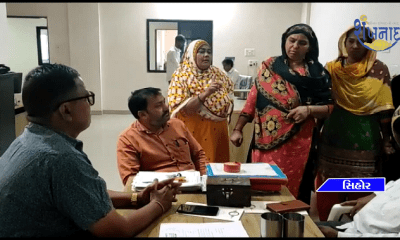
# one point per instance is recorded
(192, 182)
(246, 170)
(218, 229)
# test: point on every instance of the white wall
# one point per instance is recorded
(122, 36)
(23, 50)
(84, 45)
(122, 65)
(4, 52)
(305, 13)
(242, 25)
(330, 20)
(78, 23)
(56, 14)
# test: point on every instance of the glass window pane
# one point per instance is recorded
(44, 43)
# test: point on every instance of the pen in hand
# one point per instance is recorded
(155, 179)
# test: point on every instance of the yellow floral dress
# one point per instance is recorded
(210, 125)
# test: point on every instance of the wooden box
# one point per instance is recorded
(229, 192)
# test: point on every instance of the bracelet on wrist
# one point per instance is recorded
(134, 199)
(308, 110)
(162, 207)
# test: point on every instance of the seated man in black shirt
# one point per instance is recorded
(48, 186)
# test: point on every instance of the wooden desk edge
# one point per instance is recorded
(248, 220)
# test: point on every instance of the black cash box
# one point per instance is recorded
(230, 192)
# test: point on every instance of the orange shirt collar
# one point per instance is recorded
(142, 128)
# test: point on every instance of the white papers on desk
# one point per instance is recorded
(204, 183)
(246, 169)
(218, 229)
(261, 207)
(224, 213)
(145, 178)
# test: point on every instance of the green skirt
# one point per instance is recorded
(350, 145)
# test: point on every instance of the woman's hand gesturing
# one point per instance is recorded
(236, 138)
(299, 114)
(213, 87)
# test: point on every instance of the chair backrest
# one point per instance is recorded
(337, 212)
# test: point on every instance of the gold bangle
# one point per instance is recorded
(134, 199)
(309, 110)
(162, 208)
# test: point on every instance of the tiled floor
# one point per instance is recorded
(100, 144)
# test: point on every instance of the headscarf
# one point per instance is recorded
(360, 88)
(314, 88)
(189, 81)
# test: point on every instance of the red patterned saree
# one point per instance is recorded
(277, 138)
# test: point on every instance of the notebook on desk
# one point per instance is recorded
(263, 176)
(288, 206)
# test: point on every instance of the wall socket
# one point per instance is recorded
(253, 63)
(249, 52)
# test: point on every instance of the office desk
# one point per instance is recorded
(251, 222)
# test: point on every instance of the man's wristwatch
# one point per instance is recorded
(134, 199)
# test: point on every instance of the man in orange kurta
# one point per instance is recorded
(155, 142)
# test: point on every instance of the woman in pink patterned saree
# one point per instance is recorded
(290, 92)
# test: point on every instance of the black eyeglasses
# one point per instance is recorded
(89, 98)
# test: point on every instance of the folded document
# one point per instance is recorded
(192, 180)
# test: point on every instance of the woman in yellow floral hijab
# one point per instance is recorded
(199, 95)
(351, 143)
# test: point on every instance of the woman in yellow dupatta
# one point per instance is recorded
(351, 144)
(199, 95)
